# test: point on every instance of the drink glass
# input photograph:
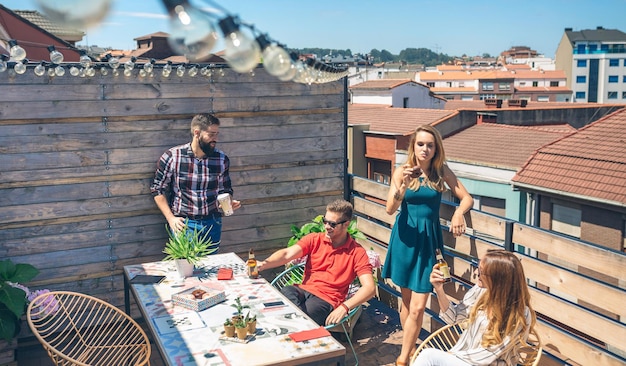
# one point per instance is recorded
(224, 200)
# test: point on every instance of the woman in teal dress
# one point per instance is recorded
(416, 189)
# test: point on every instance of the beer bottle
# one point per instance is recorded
(443, 266)
(252, 271)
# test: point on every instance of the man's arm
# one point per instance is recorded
(364, 293)
(175, 223)
(280, 257)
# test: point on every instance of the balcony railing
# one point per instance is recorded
(578, 288)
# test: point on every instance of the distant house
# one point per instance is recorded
(398, 93)
(594, 61)
(454, 83)
(577, 184)
(34, 32)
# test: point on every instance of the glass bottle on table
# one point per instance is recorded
(252, 263)
(443, 266)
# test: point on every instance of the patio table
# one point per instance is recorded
(186, 337)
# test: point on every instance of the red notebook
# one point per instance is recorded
(305, 335)
(225, 274)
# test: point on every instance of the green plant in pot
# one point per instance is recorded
(187, 247)
(251, 323)
(241, 329)
(239, 307)
(229, 328)
(13, 296)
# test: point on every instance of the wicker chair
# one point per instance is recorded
(77, 329)
(446, 337)
(295, 274)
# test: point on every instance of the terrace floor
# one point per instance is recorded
(377, 340)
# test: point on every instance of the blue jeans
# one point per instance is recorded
(213, 226)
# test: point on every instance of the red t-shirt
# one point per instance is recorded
(329, 272)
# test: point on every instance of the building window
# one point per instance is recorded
(449, 84)
(566, 220)
(612, 95)
(430, 84)
(543, 98)
(613, 78)
(535, 84)
(504, 86)
(405, 102)
(624, 79)
(488, 86)
(487, 96)
(554, 83)
(461, 84)
(522, 83)
(496, 206)
(581, 48)
(381, 178)
(623, 95)
(613, 62)
(580, 95)
(581, 63)
(581, 79)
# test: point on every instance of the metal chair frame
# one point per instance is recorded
(294, 275)
(446, 337)
(78, 329)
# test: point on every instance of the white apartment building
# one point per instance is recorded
(594, 61)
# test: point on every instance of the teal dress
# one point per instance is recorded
(414, 238)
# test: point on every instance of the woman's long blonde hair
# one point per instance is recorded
(506, 299)
(435, 175)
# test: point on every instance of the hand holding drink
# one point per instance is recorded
(225, 203)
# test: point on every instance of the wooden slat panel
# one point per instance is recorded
(370, 188)
(572, 251)
(374, 210)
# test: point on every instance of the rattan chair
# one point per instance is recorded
(294, 275)
(446, 337)
(77, 329)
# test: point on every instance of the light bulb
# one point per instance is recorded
(20, 67)
(143, 73)
(149, 66)
(85, 61)
(17, 52)
(59, 71)
(290, 74)
(76, 13)
(205, 71)
(167, 69)
(51, 72)
(180, 71)
(40, 70)
(113, 62)
(193, 70)
(130, 64)
(191, 31)
(74, 71)
(90, 72)
(276, 60)
(241, 52)
(56, 57)
(104, 71)
(3, 62)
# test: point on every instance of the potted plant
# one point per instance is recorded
(239, 307)
(241, 329)
(229, 328)
(251, 323)
(187, 247)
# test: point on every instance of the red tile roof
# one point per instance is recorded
(500, 146)
(590, 162)
(401, 121)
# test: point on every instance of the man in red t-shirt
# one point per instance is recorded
(334, 261)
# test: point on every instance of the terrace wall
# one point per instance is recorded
(77, 156)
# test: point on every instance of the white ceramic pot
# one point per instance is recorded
(185, 269)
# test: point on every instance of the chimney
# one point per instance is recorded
(599, 27)
(568, 29)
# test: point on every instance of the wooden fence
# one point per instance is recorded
(77, 156)
(578, 288)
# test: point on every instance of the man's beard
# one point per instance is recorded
(207, 147)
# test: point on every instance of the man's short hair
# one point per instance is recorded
(202, 121)
(342, 207)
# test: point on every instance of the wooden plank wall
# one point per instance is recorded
(77, 156)
(581, 311)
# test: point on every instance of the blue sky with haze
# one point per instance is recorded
(452, 27)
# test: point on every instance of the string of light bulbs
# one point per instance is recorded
(192, 34)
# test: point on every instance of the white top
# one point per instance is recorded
(468, 347)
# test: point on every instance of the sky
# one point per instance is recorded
(452, 27)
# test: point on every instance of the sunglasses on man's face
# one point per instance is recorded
(332, 223)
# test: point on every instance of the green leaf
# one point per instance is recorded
(14, 299)
(8, 327)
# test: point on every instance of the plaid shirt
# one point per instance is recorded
(191, 184)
